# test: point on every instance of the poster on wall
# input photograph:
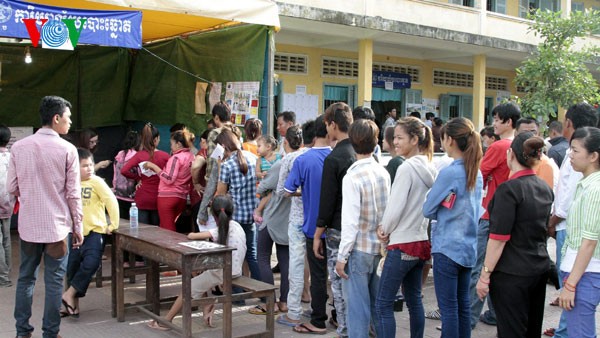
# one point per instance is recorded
(431, 106)
(18, 133)
(215, 94)
(305, 106)
(242, 97)
(200, 98)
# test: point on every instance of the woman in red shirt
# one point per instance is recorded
(147, 192)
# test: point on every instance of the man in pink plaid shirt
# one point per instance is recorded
(44, 175)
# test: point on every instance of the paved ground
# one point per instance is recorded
(96, 320)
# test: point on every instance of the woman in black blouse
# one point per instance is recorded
(517, 263)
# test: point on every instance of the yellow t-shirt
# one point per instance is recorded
(96, 198)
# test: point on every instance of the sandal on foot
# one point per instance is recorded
(287, 321)
(259, 310)
(435, 314)
(69, 310)
(549, 332)
(154, 325)
(303, 329)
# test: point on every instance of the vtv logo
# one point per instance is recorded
(55, 34)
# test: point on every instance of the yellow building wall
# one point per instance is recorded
(314, 82)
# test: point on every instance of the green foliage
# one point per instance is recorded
(556, 75)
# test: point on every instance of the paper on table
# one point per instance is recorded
(201, 245)
(218, 152)
(145, 171)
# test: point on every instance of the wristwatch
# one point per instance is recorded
(485, 269)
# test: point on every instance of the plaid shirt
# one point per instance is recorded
(365, 192)
(242, 188)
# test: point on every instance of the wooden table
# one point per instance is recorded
(162, 246)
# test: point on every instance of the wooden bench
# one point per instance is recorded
(252, 289)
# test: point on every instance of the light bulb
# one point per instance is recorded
(28, 58)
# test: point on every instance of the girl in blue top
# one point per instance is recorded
(455, 202)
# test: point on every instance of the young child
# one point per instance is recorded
(267, 158)
(123, 187)
(97, 198)
(7, 202)
(228, 232)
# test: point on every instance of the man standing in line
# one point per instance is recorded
(577, 116)
(44, 175)
(495, 171)
(338, 118)
(559, 143)
(285, 120)
(390, 121)
(307, 173)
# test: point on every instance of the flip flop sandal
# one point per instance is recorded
(303, 329)
(285, 320)
(259, 310)
(549, 332)
(69, 310)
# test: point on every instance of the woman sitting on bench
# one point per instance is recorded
(228, 232)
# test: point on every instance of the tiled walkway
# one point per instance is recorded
(96, 320)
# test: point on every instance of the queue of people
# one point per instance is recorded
(482, 220)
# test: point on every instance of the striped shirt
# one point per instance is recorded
(365, 192)
(583, 220)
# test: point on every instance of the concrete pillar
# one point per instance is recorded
(565, 8)
(365, 72)
(479, 64)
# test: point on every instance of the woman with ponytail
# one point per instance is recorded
(516, 264)
(175, 179)
(228, 232)
(403, 229)
(238, 179)
(455, 202)
(147, 192)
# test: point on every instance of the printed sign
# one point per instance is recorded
(63, 28)
(383, 79)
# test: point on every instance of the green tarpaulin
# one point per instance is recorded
(108, 86)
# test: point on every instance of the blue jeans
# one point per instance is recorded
(483, 232)
(297, 247)
(452, 291)
(84, 262)
(561, 236)
(54, 273)
(360, 291)
(396, 272)
(251, 252)
(581, 320)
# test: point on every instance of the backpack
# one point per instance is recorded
(123, 186)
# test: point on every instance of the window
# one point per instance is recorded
(496, 83)
(290, 63)
(498, 6)
(468, 3)
(413, 71)
(526, 6)
(577, 6)
(451, 78)
(339, 67)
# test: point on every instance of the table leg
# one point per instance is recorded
(119, 275)
(227, 292)
(153, 286)
(186, 291)
(113, 273)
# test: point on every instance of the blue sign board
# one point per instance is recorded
(63, 28)
(398, 79)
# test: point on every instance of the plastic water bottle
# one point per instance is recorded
(133, 216)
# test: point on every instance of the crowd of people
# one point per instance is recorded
(480, 215)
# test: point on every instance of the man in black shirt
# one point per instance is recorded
(338, 118)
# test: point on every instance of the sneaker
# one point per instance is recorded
(487, 318)
(435, 314)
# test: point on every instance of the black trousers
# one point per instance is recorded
(318, 285)
(519, 304)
